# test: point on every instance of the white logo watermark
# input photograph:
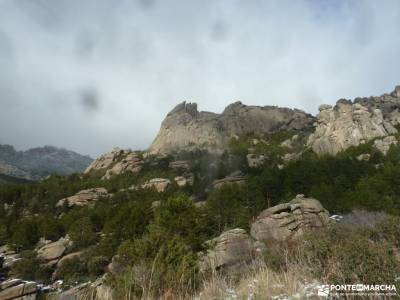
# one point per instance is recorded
(362, 289)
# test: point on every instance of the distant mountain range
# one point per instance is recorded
(37, 163)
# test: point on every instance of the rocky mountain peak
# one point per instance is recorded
(185, 128)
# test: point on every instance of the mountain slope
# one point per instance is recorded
(37, 163)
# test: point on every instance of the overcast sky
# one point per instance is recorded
(93, 75)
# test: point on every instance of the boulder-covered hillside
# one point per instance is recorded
(253, 203)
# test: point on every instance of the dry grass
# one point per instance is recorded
(259, 282)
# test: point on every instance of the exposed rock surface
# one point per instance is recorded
(230, 248)
(160, 184)
(288, 221)
(254, 160)
(351, 123)
(84, 197)
(18, 289)
(234, 178)
(116, 162)
(184, 180)
(8, 257)
(180, 165)
(185, 128)
(14, 172)
(54, 251)
(364, 157)
(37, 163)
(384, 144)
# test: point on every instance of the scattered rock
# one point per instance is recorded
(234, 178)
(185, 180)
(115, 267)
(160, 184)
(84, 197)
(364, 157)
(232, 247)
(254, 160)
(180, 165)
(289, 143)
(289, 221)
(384, 144)
(291, 156)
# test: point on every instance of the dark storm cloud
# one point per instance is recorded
(92, 75)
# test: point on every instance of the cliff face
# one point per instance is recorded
(185, 128)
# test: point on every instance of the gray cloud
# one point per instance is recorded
(91, 75)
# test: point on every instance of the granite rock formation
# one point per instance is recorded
(185, 128)
(288, 221)
(116, 162)
(232, 247)
(351, 123)
(84, 197)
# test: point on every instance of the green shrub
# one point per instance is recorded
(96, 265)
(29, 267)
(72, 271)
(344, 255)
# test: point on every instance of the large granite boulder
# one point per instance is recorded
(184, 180)
(185, 128)
(84, 197)
(116, 162)
(17, 289)
(232, 247)
(288, 221)
(52, 252)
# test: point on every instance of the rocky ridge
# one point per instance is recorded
(334, 129)
(185, 128)
(37, 163)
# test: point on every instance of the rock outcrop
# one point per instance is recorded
(185, 128)
(234, 178)
(232, 247)
(254, 160)
(52, 252)
(159, 184)
(17, 289)
(184, 180)
(288, 221)
(84, 197)
(384, 144)
(116, 162)
(351, 123)
(8, 257)
(180, 165)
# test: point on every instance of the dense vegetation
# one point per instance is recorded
(160, 242)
